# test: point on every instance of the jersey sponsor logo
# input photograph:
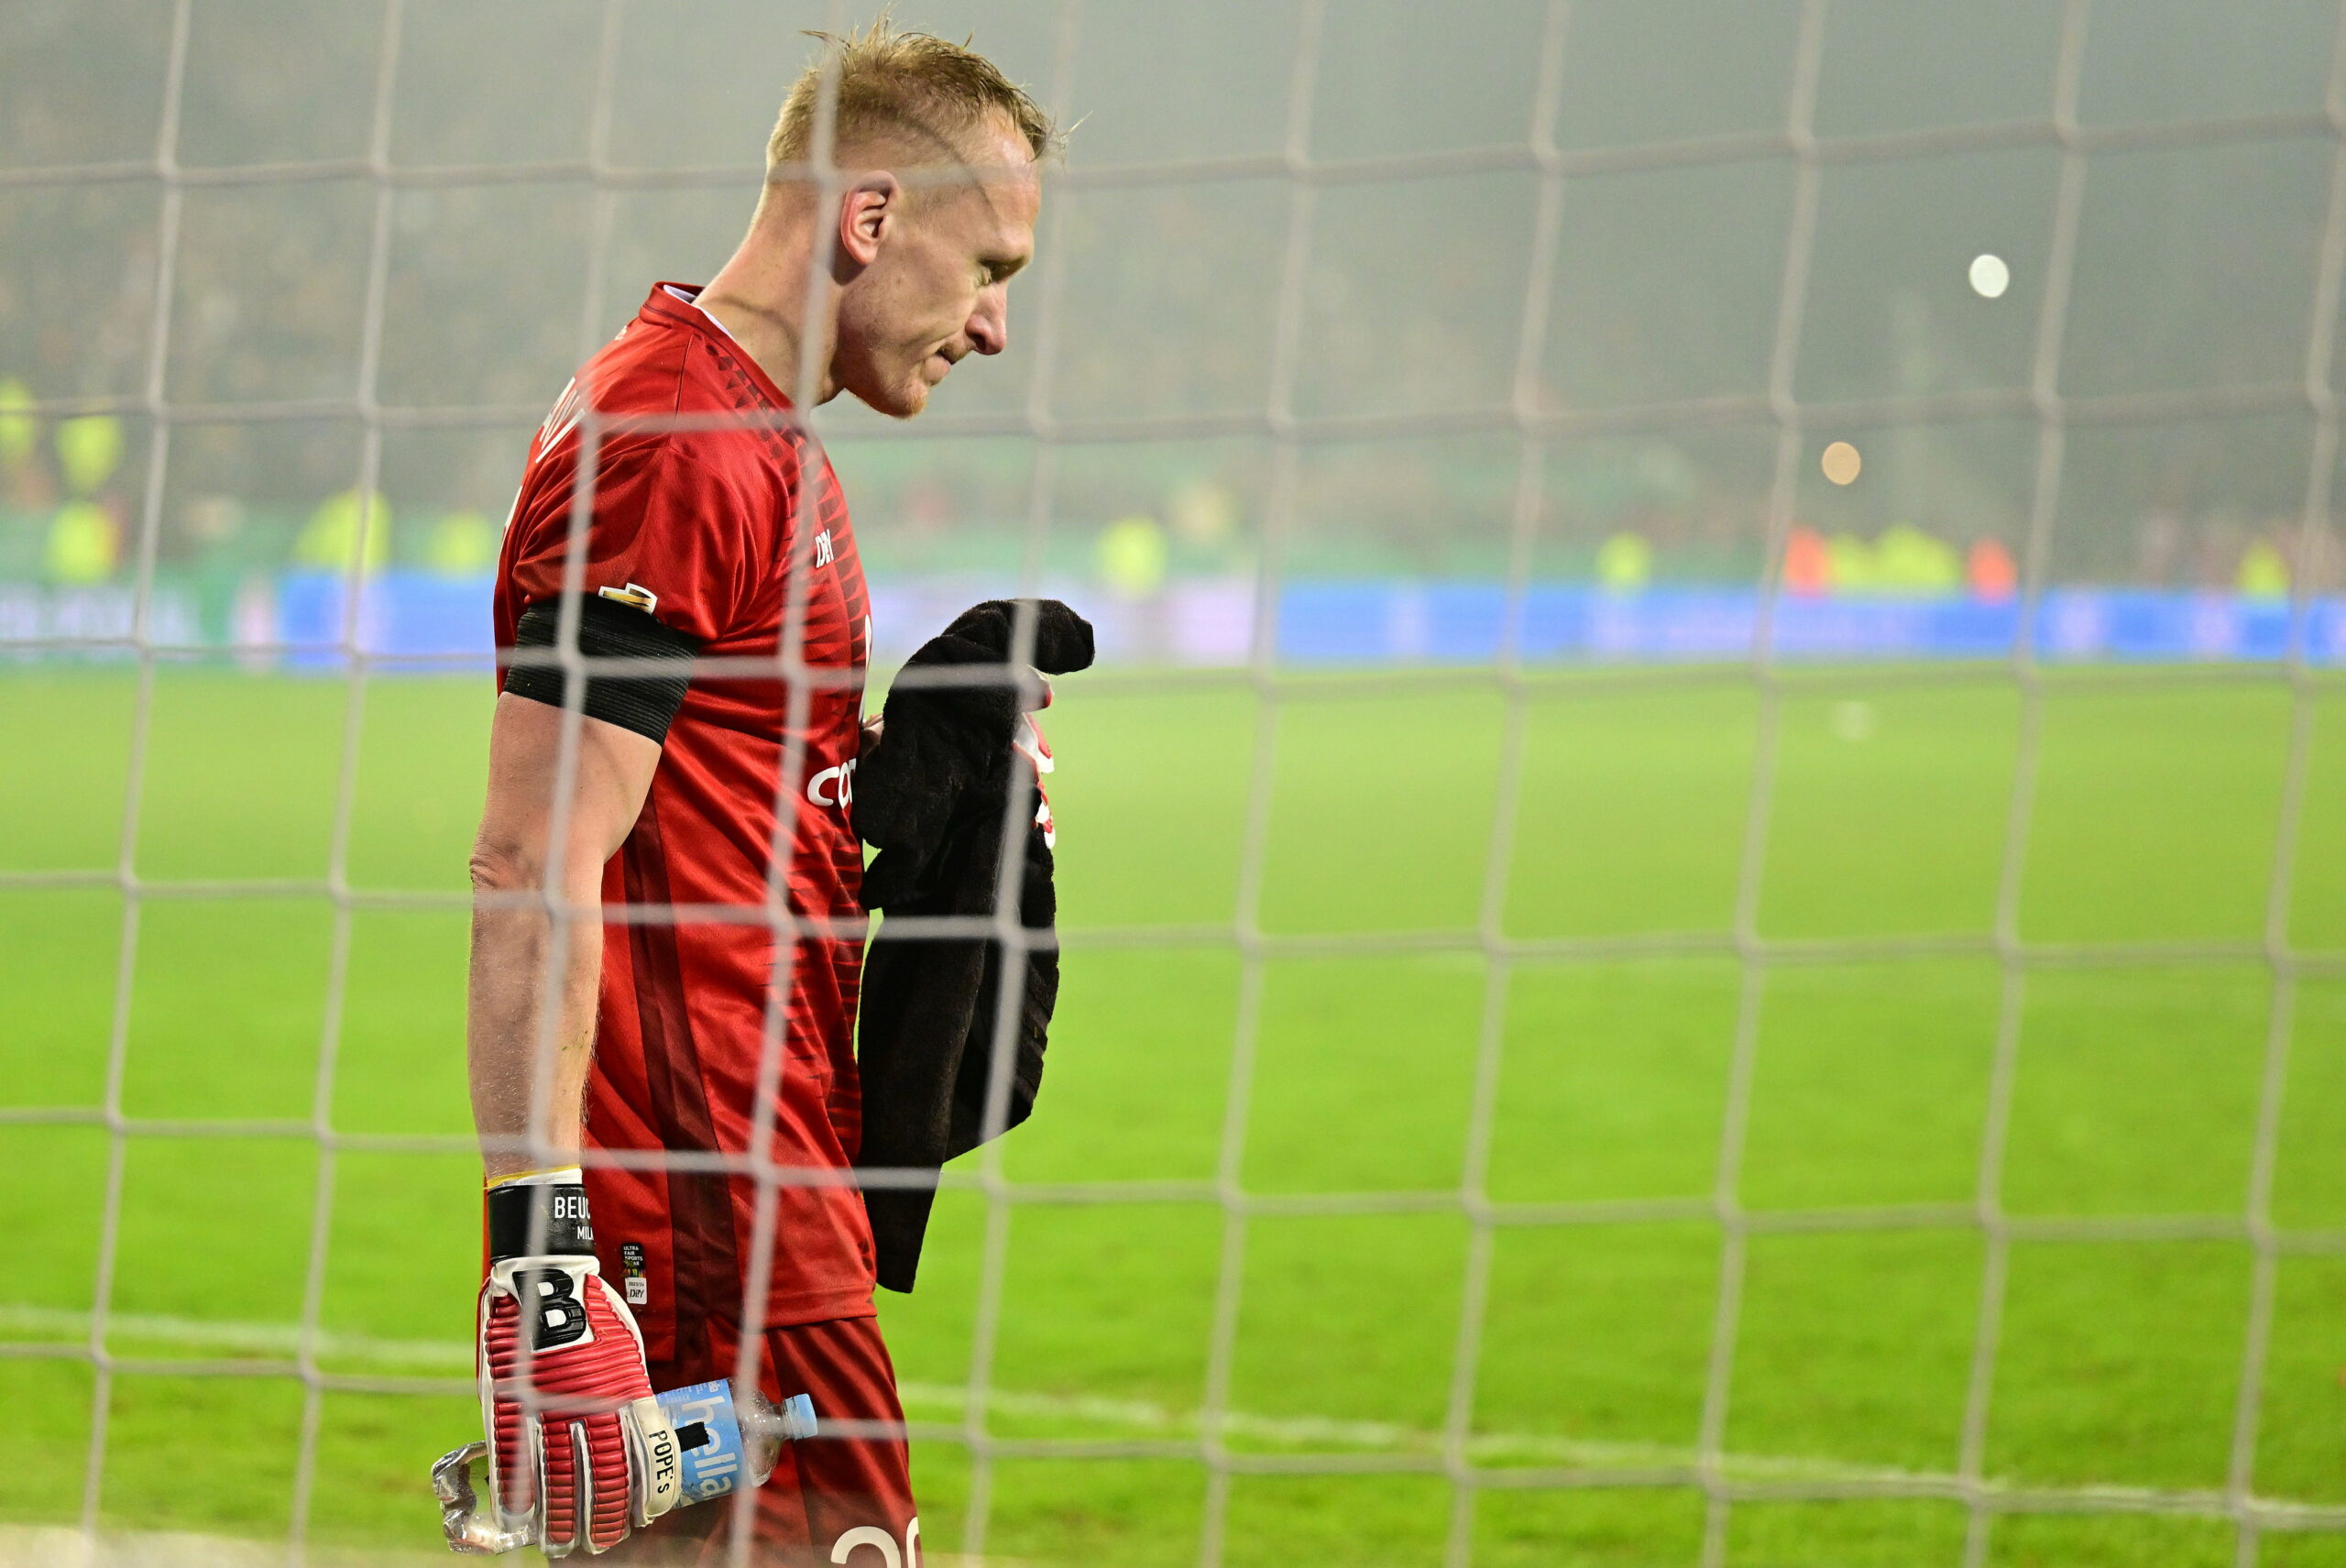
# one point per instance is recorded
(824, 553)
(638, 1289)
(834, 786)
(635, 596)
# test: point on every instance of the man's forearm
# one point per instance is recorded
(524, 958)
(529, 1006)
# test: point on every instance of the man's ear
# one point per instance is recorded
(870, 208)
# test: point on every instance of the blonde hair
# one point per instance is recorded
(890, 81)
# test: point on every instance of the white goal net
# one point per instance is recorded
(1699, 879)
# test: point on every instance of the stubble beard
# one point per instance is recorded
(911, 396)
(899, 397)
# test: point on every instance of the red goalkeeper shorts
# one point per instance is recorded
(832, 1500)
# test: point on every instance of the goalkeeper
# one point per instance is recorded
(706, 790)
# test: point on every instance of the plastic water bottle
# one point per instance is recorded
(720, 1440)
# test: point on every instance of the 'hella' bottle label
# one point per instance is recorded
(710, 1436)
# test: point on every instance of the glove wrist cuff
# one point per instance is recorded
(538, 1218)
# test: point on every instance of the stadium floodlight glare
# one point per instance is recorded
(1722, 1478)
(1989, 276)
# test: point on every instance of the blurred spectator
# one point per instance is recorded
(1167, 307)
(212, 535)
(331, 541)
(1852, 564)
(85, 535)
(1203, 518)
(1908, 561)
(89, 450)
(2218, 549)
(85, 545)
(1991, 571)
(1808, 563)
(1625, 562)
(459, 544)
(1132, 557)
(22, 483)
(2262, 573)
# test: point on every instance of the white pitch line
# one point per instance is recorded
(56, 1546)
(52, 1325)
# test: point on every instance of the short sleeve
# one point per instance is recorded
(664, 533)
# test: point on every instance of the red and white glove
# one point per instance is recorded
(580, 1452)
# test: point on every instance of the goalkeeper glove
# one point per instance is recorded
(580, 1452)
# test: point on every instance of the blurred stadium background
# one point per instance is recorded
(1638, 996)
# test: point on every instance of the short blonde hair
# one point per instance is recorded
(886, 81)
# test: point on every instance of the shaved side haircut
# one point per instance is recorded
(889, 84)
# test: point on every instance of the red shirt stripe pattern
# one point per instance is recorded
(705, 496)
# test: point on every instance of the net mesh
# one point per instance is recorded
(1535, 426)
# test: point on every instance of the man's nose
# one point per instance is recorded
(988, 326)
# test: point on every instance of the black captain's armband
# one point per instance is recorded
(644, 699)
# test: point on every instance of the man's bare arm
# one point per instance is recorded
(512, 985)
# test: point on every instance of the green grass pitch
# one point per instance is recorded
(2136, 1095)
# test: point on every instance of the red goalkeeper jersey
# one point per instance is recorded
(706, 507)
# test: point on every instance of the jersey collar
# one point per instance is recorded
(663, 308)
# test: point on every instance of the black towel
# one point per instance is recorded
(933, 796)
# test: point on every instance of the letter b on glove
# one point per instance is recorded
(551, 1307)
